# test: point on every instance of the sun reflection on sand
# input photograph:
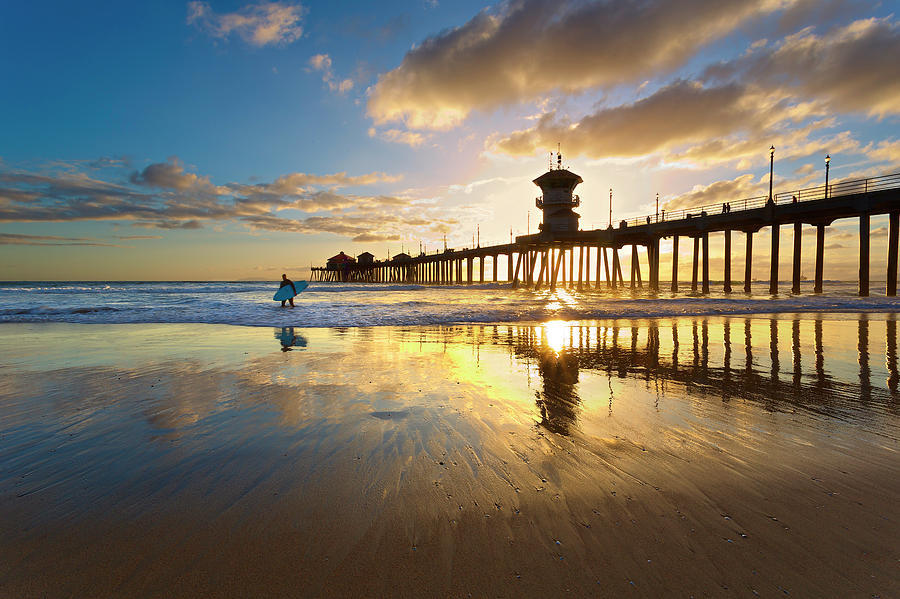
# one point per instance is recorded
(554, 334)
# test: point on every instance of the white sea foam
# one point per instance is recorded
(336, 305)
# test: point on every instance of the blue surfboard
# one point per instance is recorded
(286, 292)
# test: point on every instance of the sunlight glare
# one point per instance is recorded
(555, 332)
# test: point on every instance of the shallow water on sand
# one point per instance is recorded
(706, 456)
(348, 305)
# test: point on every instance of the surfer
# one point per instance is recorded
(284, 282)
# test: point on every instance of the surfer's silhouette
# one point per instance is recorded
(284, 282)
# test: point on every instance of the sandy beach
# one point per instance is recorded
(681, 457)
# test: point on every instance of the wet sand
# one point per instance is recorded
(681, 457)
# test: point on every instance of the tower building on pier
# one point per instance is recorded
(558, 200)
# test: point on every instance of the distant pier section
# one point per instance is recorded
(560, 253)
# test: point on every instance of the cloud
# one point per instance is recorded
(742, 186)
(372, 237)
(527, 49)
(789, 142)
(852, 68)
(52, 240)
(171, 175)
(163, 196)
(138, 236)
(785, 94)
(689, 122)
(410, 138)
(682, 113)
(885, 151)
(295, 183)
(322, 63)
(189, 225)
(257, 24)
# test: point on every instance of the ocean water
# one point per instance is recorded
(348, 305)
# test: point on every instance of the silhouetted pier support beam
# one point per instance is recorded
(635, 268)
(706, 264)
(795, 279)
(540, 279)
(481, 269)
(527, 265)
(606, 268)
(748, 262)
(727, 274)
(694, 266)
(571, 265)
(863, 254)
(773, 263)
(560, 262)
(587, 266)
(820, 257)
(514, 275)
(617, 269)
(653, 250)
(894, 220)
(675, 264)
(580, 265)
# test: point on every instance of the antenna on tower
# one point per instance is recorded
(558, 157)
(550, 162)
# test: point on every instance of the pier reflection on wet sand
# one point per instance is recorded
(689, 456)
(749, 361)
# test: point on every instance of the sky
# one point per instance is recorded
(239, 140)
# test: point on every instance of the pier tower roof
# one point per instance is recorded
(557, 178)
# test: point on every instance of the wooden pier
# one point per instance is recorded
(541, 259)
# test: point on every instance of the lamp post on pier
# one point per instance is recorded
(610, 207)
(827, 167)
(657, 206)
(771, 170)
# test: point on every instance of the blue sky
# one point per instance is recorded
(232, 140)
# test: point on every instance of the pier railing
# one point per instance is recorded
(807, 194)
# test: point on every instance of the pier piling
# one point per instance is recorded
(727, 273)
(748, 262)
(674, 263)
(820, 256)
(893, 221)
(695, 264)
(705, 263)
(773, 265)
(864, 254)
(617, 269)
(795, 279)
